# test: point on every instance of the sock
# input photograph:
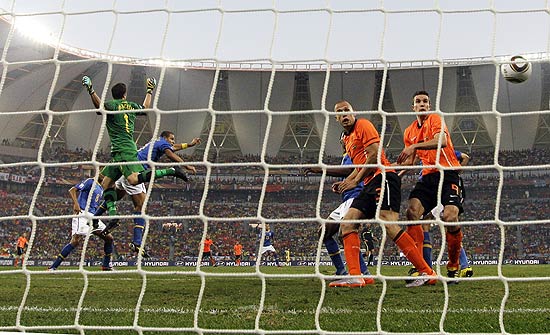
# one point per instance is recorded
(417, 234)
(277, 260)
(427, 248)
(371, 259)
(363, 265)
(110, 200)
(139, 227)
(145, 176)
(405, 242)
(334, 252)
(463, 259)
(352, 248)
(64, 253)
(454, 243)
(108, 248)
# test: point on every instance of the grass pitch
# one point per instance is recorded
(231, 297)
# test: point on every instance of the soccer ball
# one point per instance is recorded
(518, 71)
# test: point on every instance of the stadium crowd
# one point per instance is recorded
(234, 194)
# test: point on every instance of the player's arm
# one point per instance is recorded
(87, 83)
(175, 158)
(333, 172)
(465, 159)
(407, 155)
(151, 84)
(181, 146)
(73, 192)
(351, 181)
(416, 160)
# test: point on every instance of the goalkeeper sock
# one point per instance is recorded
(334, 252)
(64, 253)
(145, 176)
(108, 248)
(352, 248)
(110, 200)
(139, 227)
(454, 244)
(417, 234)
(463, 258)
(427, 248)
(405, 242)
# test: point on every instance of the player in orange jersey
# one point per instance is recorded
(362, 140)
(429, 140)
(207, 250)
(238, 248)
(22, 243)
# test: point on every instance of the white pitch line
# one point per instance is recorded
(272, 309)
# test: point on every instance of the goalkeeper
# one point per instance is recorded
(120, 126)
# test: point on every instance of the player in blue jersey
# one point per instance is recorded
(268, 244)
(81, 225)
(164, 145)
(331, 229)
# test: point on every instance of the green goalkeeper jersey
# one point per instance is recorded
(121, 126)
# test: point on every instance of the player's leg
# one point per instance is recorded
(333, 249)
(414, 212)
(138, 198)
(451, 199)
(144, 176)
(79, 229)
(427, 245)
(454, 240)
(108, 245)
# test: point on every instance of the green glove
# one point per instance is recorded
(87, 82)
(151, 84)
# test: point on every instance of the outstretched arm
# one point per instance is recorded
(87, 83)
(181, 146)
(151, 84)
(333, 172)
(175, 158)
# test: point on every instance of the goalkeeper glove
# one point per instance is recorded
(151, 84)
(87, 82)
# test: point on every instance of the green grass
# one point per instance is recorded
(231, 298)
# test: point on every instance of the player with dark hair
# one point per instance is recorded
(21, 248)
(165, 145)
(238, 249)
(207, 250)
(429, 140)
(79, 194)
(362, 145)
(120, 127)
(268, 244)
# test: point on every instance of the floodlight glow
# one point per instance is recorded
(32, 29)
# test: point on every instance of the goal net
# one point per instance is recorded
(248, 91)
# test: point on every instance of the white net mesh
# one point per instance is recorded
(257, 83)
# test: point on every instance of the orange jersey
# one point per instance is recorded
(430, 129)
(238, 249)
(207, 244)
(362, 135)
(22, 242)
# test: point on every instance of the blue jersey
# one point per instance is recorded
(159, 146)
(354, 192)
(84, 188)
(268, 238)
